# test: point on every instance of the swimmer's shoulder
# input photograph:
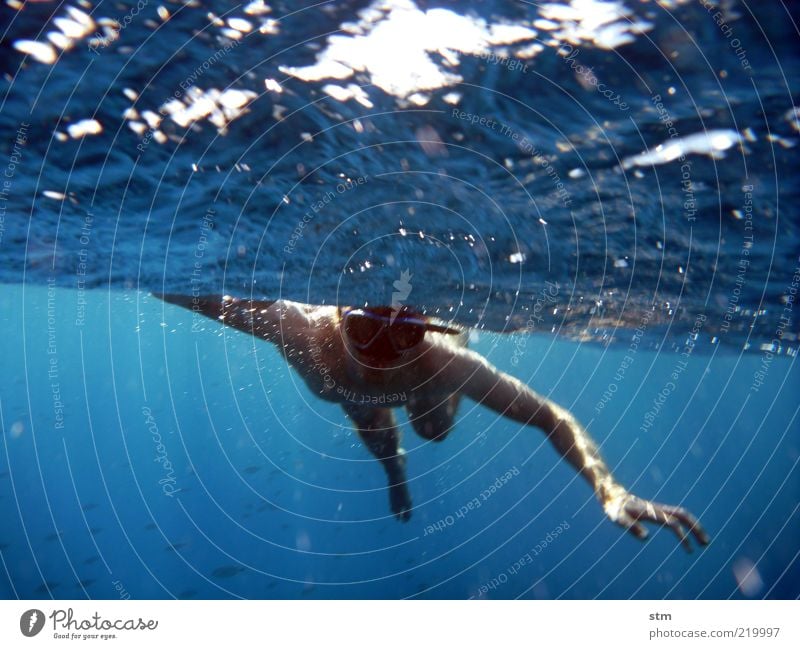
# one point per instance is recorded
(319, 314)
(311, 317)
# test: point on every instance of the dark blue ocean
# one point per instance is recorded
(604, 192)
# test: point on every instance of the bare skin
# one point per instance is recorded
(428, 380)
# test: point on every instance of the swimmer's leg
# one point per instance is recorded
(432, 418)
(379, 432)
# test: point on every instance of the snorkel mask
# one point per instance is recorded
(385, 333)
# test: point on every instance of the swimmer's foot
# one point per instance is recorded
(628, 510)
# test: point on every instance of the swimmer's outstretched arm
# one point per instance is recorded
(474, 376)
(272, 320)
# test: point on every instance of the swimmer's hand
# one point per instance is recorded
(400, 501)
(399, 497)
(629, 511)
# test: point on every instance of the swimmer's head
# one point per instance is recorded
(386, 333)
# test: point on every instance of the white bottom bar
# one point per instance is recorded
(408, 624)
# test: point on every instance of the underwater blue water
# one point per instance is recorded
(145, 456)
(274, 496)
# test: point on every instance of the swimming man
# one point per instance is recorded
(371, 355)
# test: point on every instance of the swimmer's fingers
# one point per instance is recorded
(644, 510)
(205, 304)
(686, 518)
(616, 508)
(673, 517)
(173, 298)
(634, 527)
